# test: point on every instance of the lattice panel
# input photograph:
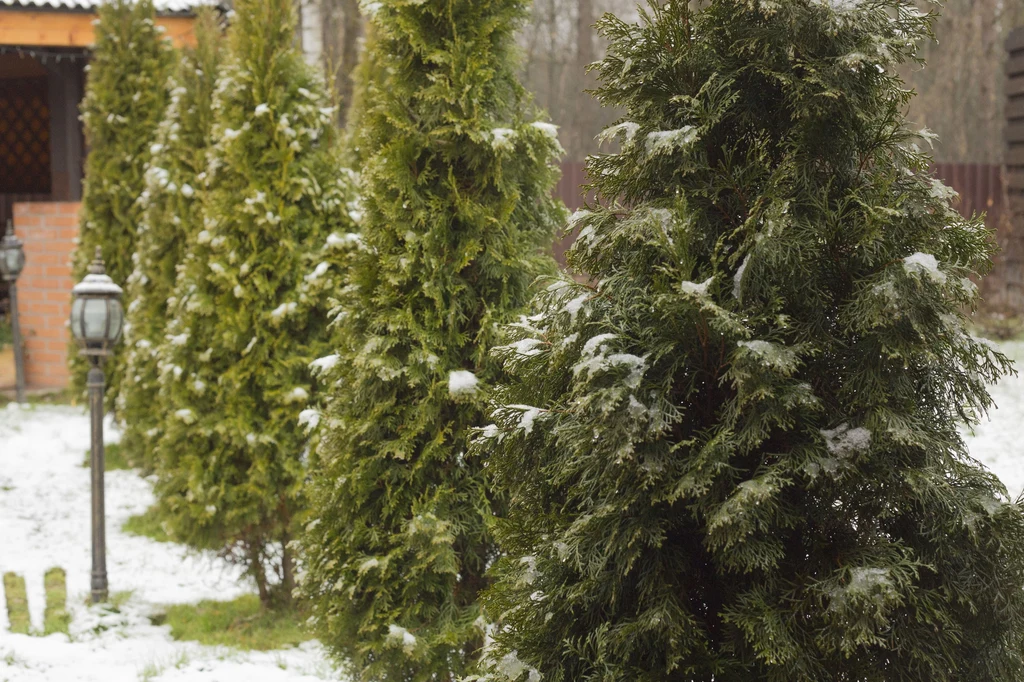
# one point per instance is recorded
(24, 136)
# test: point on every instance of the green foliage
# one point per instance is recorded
(148, 524)
(55, 616)
(458, 216)
(735, 455)
(242, 623)
(125, 97)
(248, 315)
(171, 215)
(16, 599)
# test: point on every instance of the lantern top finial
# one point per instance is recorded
(98, 267)
(10, 228)
(97, 282)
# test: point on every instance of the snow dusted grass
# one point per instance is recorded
(241, 623)
(44, 523)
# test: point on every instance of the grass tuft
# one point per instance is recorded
(242, 623)
(17, 604)
(56, 617)
(148, 524)
(113, 458)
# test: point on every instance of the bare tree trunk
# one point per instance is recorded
(287, 569)
(259, 574)
(584, 104)
(342, 33)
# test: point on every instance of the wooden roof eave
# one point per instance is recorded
(70, 28)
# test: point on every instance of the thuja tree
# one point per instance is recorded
(249, 312)
(174, 181)
(734, 454)
(125, 98)
(458, 215)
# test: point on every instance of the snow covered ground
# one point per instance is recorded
(998, 442)
(44, 522)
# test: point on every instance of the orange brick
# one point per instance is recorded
(46, 259)
(63, 221)
(30, 321)
(23, 221)
(48, 309)
(28, 296)
(48, 332)
(42, 356)
(57, 271)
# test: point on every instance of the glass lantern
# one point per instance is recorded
(97, 317)
(12, 255)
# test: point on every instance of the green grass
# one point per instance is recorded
(113, 458)
(56, 617)
(65, 397)
(147, 524)
(242, 623)
(17, 603)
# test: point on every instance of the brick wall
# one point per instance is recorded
(49, 231)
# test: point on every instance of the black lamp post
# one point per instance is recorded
(96, 321)
(12, 262)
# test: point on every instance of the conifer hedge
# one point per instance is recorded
(735, 453)
(171, 216)
(125, 98)
(250, 309)
(459, 215)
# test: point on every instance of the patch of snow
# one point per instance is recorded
(402, 637)
(282, 310)
(319, 272)
(574, 306)
(843, 441)
(627, 129)
(697, 289)
(309, 418)
(737, 280)
(549, 129)
(503, 139)
(665, 141)
(325, 364)
(924, 263)
(462, 383)
(44, 522)
(335, 240)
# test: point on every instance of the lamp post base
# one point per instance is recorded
(99, 588)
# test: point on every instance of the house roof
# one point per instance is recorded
(162, 6)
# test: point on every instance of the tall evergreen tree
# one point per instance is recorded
(735, 454)
(250, 312)
(125, 98)
(171, 216)
(458, 216)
